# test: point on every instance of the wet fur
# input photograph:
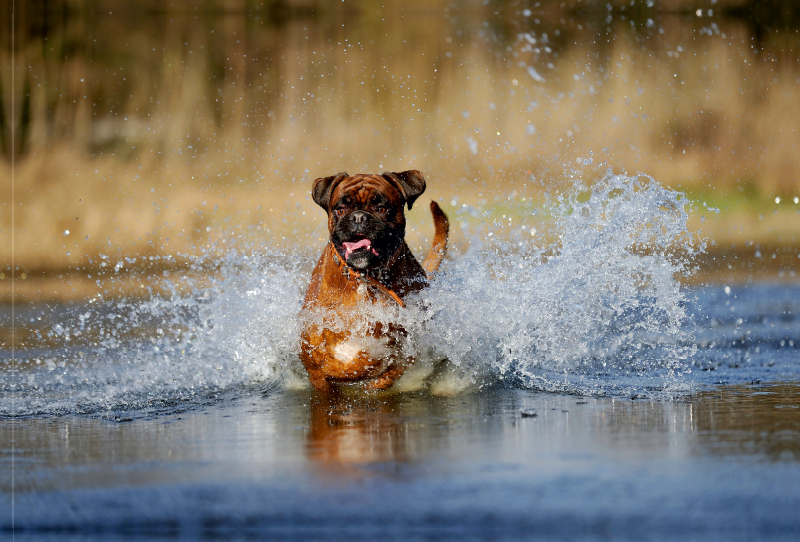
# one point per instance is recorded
(358, 207)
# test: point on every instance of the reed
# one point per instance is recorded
(151, 134)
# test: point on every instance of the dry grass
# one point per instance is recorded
(114, 104)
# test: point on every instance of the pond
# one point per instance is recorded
(611, 349)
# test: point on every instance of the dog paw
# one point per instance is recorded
(321, 385)
(380, 384)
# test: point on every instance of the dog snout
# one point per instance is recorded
(359, 217)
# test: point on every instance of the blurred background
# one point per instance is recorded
(146, 131)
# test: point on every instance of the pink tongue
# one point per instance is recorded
(351, 247)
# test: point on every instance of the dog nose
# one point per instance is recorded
(359, 217)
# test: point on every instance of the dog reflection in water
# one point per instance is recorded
(366, 263)
(343, 433)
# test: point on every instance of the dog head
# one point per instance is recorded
(365, 213)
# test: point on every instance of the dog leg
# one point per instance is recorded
(320, 383)
(387, 379)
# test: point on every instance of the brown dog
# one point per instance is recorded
(366, 260)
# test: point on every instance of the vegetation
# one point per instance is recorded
(150, 133)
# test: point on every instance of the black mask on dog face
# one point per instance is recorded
(365, 213)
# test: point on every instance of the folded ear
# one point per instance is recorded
(411, 184)
(323, 188)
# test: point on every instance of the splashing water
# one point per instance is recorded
(597, 310)
(600, 311)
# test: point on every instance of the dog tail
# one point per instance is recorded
(439, 248)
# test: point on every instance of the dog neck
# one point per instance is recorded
(363, 277)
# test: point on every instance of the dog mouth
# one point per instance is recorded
(353, 246)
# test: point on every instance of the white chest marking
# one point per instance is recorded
(347, 351)
(375, 348)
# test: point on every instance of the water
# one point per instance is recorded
(722, 465)
(586, 394)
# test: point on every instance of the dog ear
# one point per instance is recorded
(411, 184)
(323, 188)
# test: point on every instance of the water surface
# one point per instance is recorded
(721, 465)
(716, 458)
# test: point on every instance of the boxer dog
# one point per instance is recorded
(366, 263)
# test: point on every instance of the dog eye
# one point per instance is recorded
(381, 209)
(339, 212)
